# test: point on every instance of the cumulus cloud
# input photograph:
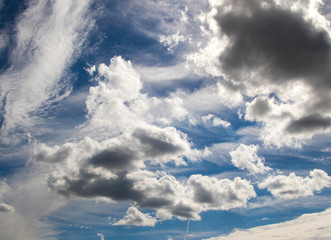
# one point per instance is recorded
(48, 34)
(135, 217)
(222, 194)
(245, 157)
(293, 186)
(286, 66)
(96, 170)
(110, 164)
(305, 227)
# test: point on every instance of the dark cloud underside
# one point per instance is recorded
(308, 123)
(276, 41)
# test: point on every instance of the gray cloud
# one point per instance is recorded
(119, 158)
(276, 40)
(274, 48)
(260, 107)
(156, 146)
(91, 185)
(309, 123)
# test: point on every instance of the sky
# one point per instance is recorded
(147, 119)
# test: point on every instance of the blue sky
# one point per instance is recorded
(165, 119)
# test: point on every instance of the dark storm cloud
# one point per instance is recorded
(309, 123)
(118, 158)
(276, 41)
(155, 146)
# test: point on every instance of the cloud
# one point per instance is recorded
(21, 217)
(171, 41)
(245, 157)
(6, 208)
(222, 194)
(309, 123)
(300, 50)
(292, 186)
(118, 175)
(48, 35)
(288, 75)
(135, 217)
(209, 120)
(102, 237)
(305, 227)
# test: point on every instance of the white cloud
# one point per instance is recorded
(102, 237)
(165, 74)
(245, 157)
(23, 216)
(211, 98)
(209, 120)
(48, 34)
(305, 227)
(220, 194)
(135, 217)
(172, 41)
(292, 186)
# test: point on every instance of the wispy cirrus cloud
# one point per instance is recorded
(48, 36)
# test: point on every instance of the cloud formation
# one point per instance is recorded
(110, 164)
(268, 58)
(292, 186)
(135, 217)
(48, 34)
(245, 157)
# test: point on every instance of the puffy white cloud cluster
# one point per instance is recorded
(135, 217)
(292, 186)
(245, 157)
(124, 133)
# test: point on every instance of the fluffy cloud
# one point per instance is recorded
(135, 217)
(124, 134)
(292, 186)
(245, 157)
(222, 194)
(288, 73)
(305, 227)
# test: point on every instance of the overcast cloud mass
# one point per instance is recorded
(165, 119)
